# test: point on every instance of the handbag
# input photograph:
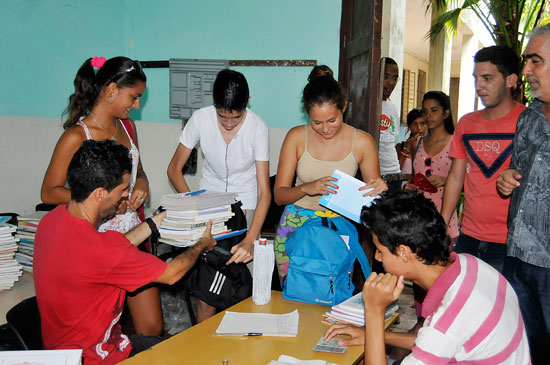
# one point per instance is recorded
(216, 283)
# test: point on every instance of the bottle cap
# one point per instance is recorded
(263, 241)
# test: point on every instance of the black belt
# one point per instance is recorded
(394, 177)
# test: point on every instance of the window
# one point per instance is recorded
(408, 94)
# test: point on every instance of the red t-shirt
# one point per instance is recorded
(486, 145)
(81, 278)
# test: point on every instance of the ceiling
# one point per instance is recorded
(417, 25)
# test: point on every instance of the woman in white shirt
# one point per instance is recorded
(235, 143)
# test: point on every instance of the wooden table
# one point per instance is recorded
(198, 345)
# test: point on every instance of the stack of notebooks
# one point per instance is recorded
(352, 311)
(10, 270)
(187, 215)
(26, 230)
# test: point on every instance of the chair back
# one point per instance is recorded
(24, 320)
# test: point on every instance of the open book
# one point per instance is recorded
(348, 201)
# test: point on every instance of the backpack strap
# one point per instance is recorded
(360, 254)
(355, 247)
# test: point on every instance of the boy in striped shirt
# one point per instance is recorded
(472, 313)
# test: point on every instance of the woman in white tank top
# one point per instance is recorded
(312, 152)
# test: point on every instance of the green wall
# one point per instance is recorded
(43, 42)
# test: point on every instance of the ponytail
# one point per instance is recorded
(85, 94)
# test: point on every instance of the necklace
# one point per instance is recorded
(103, 129)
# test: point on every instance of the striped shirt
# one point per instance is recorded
(472, 315)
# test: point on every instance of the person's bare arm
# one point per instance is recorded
(453, 188)
(357, 336)
(174, 168)
(53, 189)
(140, 233)
(402, 340)
(244, 250)
(378, 292)
(141, 188)
(182, 263)
(369, 164)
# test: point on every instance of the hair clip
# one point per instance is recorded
(98, 62)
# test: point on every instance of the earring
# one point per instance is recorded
(111, 99)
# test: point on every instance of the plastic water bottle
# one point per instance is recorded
(264, 262)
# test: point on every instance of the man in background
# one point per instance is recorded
(481, 149)
(527, 265)
(389, 129)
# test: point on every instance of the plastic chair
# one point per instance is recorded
(24, 320)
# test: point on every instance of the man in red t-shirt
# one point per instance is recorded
(481, 149)
(81, 276)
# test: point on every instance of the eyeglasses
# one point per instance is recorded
(428, 163)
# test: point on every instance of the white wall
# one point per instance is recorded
(26, 146)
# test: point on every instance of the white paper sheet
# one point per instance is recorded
(235, 323)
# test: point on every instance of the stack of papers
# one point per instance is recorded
(10, 270)
(26, 231)
(42, 357)
(352, 311)
(348, 200)
(259, 324)
(188, 214)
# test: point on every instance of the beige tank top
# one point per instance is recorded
(310, 169)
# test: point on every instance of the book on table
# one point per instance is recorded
(352, 311)
(196, 201)
(348, 199)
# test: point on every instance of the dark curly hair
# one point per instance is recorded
(97, 164)
(407, 218)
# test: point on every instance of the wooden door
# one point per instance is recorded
(359, 65)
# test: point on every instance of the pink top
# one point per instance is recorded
(440, 165)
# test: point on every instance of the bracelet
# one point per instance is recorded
(405, 154)
(153, 227)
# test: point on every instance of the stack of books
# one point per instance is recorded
(10, 270)
(352, 311)
(187, 215)
(26, 230)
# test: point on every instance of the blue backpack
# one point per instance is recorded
(321, 263)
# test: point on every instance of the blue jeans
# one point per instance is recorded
(491, 252)
(532, 286)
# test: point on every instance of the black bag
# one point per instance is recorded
(216, 283)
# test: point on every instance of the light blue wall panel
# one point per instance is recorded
(47, 40)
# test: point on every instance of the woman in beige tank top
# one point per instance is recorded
(312, 152)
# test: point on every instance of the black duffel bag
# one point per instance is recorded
(216, 283)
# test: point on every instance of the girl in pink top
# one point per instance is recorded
(431, 157)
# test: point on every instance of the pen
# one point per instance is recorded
(246, 334)
(195, 192)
